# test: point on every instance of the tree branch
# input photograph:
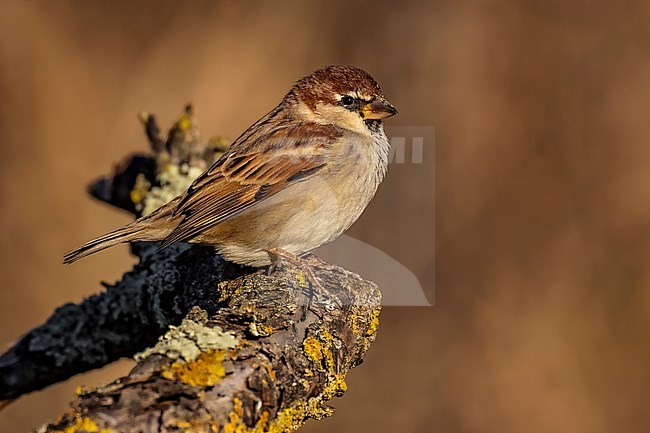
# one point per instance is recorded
(268, 360)
(123, 320)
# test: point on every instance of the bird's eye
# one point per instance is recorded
(347, 100)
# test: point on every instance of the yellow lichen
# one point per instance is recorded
(327, 353)
(313, 349)
(318, 349)
(143, 117)
(235, 421)
(373, 322)
(286, 420)
(318, 410)
(83, 425)
(293, 417)
(185, 121)
(271, 372)
(140, 189)
(301, 278)
(260, 329)
(204, 371)
(218, 144)
(335, 387)
(367, 323)
(354, 319)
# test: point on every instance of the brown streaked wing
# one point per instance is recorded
(243, 177)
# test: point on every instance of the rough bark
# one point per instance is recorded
(267, 360)
(222, 348)
(124, 319)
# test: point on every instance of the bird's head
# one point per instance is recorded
(341, 95)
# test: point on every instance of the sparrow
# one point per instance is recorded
(295, 180)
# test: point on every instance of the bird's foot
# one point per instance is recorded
(279, 259)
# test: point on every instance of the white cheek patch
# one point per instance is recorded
(339, 116)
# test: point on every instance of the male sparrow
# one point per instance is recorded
(293, 181)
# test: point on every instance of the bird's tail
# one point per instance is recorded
(153, 227)
(125, 234)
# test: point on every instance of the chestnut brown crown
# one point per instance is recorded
(343, 86)
(325, 84)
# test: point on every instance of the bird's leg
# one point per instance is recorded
(280, 256)
(277, 262)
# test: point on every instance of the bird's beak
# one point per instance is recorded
(377, 109)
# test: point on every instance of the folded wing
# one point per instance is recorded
(254, 168)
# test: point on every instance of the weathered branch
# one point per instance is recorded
(123, 320)
(267, 360)
(250, 349)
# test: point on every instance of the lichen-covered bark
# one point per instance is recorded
(124, 319)
(266, 361)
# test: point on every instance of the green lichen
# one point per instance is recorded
(189, 340)
(173, 179)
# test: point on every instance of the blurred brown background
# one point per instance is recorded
(542, 169)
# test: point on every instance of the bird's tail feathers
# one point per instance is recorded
(154, 227)
(125, 234)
